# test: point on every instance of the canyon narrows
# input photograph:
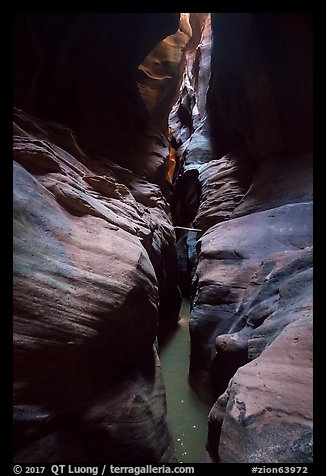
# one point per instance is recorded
(158, 155)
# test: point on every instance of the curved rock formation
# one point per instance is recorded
(85, 307)
(80, 69)
(94, 250)
(268, 420)
(251, 289)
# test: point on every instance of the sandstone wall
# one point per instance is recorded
(95, 277)
(246, 171)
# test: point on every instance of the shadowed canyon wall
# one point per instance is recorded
(246, 171)
(96, 255)
(95, 278)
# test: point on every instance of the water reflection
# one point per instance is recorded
(187, 415)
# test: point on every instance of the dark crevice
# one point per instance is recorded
(212, 203)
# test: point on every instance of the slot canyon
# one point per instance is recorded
(162, 237)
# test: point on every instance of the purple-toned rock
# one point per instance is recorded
(87, 383)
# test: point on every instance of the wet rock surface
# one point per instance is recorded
(250, 271)
(95, 252)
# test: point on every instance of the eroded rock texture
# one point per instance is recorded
(192, 145)
(85, 306)
(248, 167)
(95, 277)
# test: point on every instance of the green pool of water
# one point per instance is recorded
(187, 415)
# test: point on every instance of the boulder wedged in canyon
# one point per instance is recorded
(251, 281)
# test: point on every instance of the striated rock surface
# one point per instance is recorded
(191, 144)
(247, 165)
(237, 262)
(95, 262)
(160, 74)
(94, 250)
(190, 109)
(88, 386)
(224, 182)
(266, 412)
